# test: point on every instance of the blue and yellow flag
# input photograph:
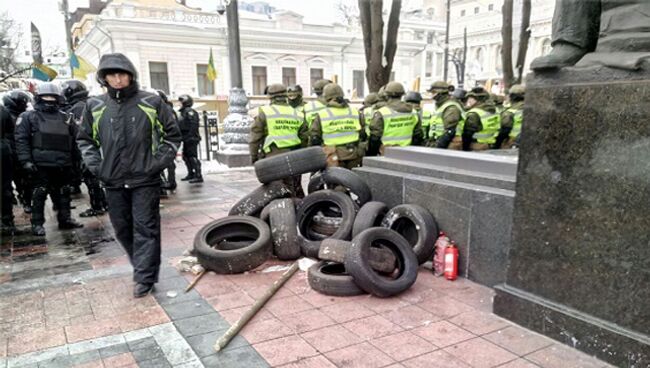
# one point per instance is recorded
(80, 67)
(43, 72)
(212, 72)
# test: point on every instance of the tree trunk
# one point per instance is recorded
(506, 35)
(379, 61)
(523, 40)
(461, 82)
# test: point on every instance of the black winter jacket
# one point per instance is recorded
(189, 124)
(46, 138)
(126, 142)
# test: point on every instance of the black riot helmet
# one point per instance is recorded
(49, 89)
(186, 100)
(17, 101)
(73, 90)
(413, 97)
(163, 96)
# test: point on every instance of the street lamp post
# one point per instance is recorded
(236, 126)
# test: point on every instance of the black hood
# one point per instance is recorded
(76, 97)
(115, 61)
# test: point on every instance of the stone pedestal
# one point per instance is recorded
(579, 263)
(236, 128)
(469, 194)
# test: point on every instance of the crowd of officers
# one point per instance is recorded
(472, 121)
(40, 155)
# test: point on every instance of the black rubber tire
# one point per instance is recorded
(235, 260)
(316, 202)
(417, 226)
(338, 176)
(370, 215)
(335, 250)
(253, 203)
(330, 279)
(284, 231)
(290, 164)
(326, 225)
(357, 265)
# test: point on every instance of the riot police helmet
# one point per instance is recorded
(186, 100)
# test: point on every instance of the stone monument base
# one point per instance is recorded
(233, 159)
(579, 262)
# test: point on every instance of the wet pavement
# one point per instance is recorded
(66, 301)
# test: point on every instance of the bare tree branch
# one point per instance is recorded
(391, 36)
(364, 18)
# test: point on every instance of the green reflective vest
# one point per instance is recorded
(283, 123)
(437, 124)
(398, 127)
(518, 118)
(311, 109)
(368, 112)
(340, 125)
(425, 117)
(491, 123)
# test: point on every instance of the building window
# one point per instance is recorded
(498, 61)
(428, 67)
(490, 7)
(158, 76)
(430, 37)
(359, 82)
(289, 76)
(546, 46)
(206, 86)
(259, 80)
(462, 13)
(476, 10)
(314, 76)
(439, 63)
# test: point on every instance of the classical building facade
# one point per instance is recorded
(170, 45)
(483, 21)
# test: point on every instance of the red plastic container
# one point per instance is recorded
(451, 262)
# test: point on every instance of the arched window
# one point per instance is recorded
(480, 57)
(498, 59)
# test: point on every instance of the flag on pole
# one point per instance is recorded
(212, 72)
(80, 67)
(43, 72)
(39, 70)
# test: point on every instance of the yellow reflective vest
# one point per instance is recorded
(340, 125)
(282, 123)
(518, 118)
(491, 123)
(437, 124)
(311, 109)
(398, 127)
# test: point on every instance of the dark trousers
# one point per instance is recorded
(135, 216)
(191, 158)
(56, 182)
(7, 188)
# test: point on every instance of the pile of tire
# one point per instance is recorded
(362, 246)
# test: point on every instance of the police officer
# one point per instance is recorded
(368, 110)
(76, 94)
(382, 98)
(278, 128)
(395, 124)
(127, 137)
(340, 129)
(415, 100)
(45, 142)
(482, 121)
(294, 93)
(316, 105)
(15, 103)
(7, 147)
(189, 124)
(512, 118)
(447, 122)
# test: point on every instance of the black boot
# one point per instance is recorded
(38, 230)
(69, 224)
(8, 228)
(189, 176)
(142, 289)
(196, 166)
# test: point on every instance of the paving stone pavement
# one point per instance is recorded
(66, 301)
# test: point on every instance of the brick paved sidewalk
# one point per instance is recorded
(66, 301)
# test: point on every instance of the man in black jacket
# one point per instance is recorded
(15, 103)
(76, 94)
(45, 142)
(127, 138)
(189, 124)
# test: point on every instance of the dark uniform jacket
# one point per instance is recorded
(259, 131)
(377, 125)
(76, 105)
(473, 122)
(189, 124)
(46, 138)
(128, 136)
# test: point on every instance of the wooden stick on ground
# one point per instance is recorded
(259, 303)
(198, 277)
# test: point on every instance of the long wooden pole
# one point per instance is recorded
(198, 277)
(259, 303)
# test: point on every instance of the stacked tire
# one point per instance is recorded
(362, 245)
